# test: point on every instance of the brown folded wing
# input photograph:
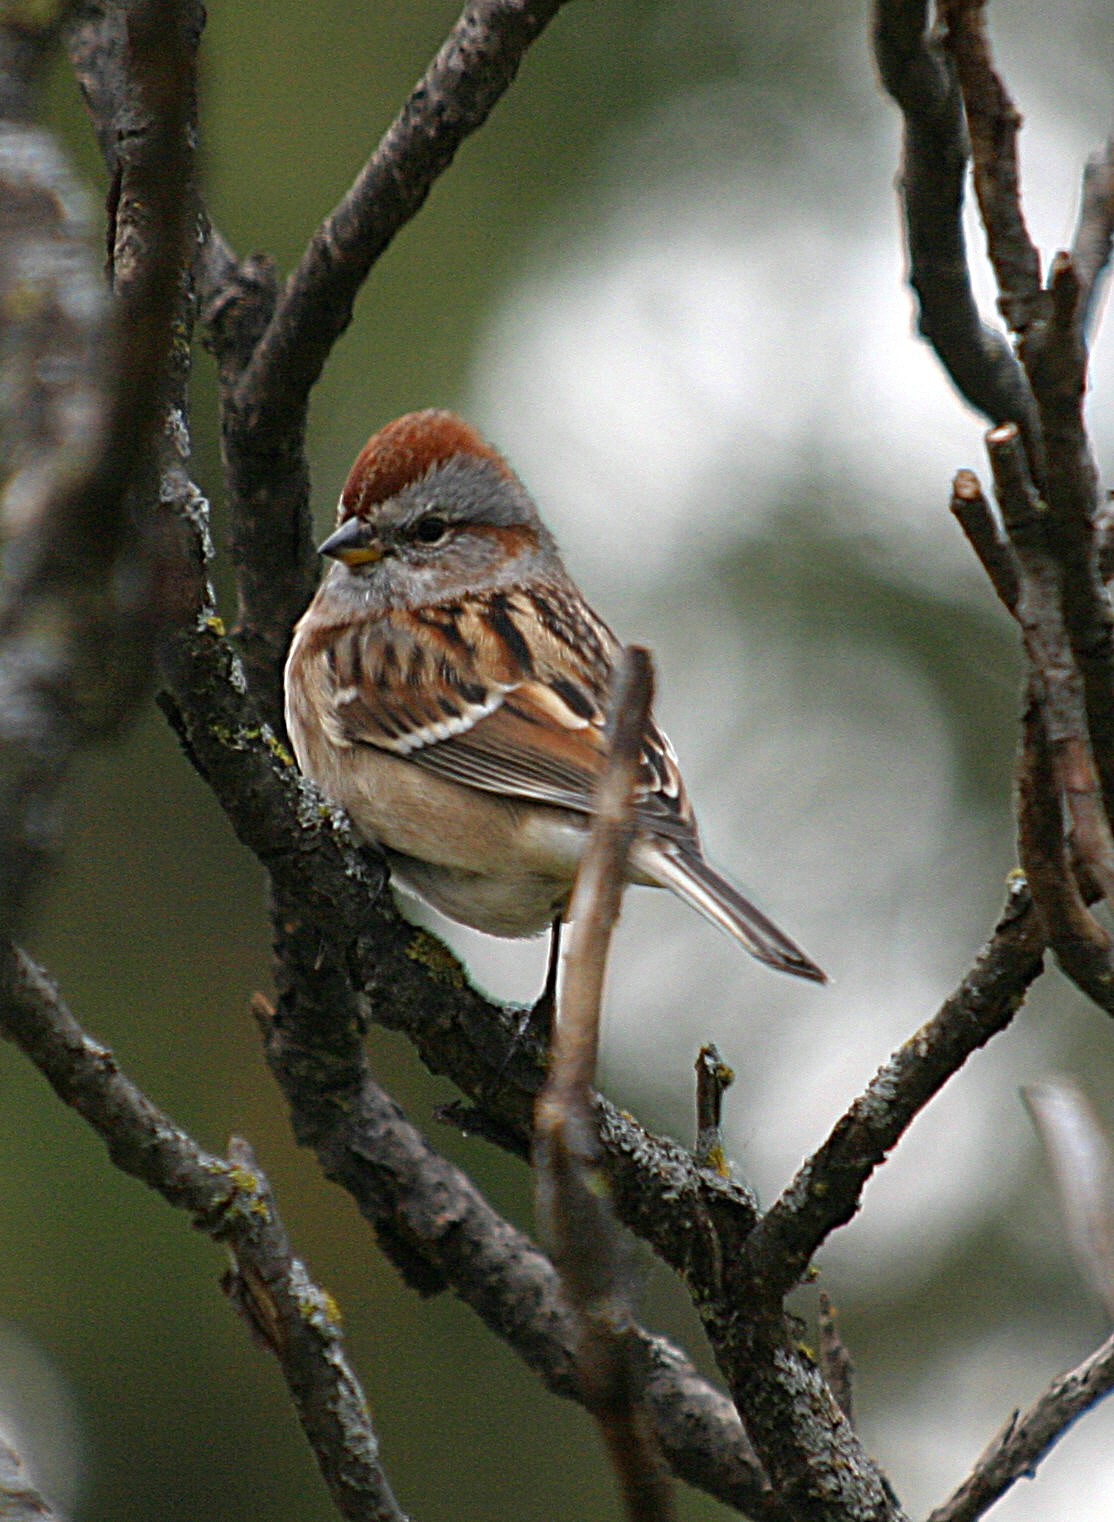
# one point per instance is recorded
(460, 691)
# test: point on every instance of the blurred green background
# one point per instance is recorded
(667, 279)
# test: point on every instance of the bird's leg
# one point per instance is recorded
(537, 1021)
(545, 1006)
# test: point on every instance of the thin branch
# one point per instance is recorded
(573, 1202)
(594, 906)
(1024, 1441)
(835, 1361)
(1055, 357)
(233, 1203)
(475, 65)
(1056, 769)
(919, 75)
(993, 124)
(713, 1079)
(976, 518)
(1081, 945)
(826, 1191)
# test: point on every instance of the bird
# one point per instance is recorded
(448, 686)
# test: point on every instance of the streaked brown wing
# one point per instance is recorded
(460, 691)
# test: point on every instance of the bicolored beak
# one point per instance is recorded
(354, 543)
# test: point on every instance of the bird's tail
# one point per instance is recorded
(700, 885)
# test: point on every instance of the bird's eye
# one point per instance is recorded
(430, 530)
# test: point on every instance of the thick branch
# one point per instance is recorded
(806, 1445)
(233, 1203)
(441, 1232)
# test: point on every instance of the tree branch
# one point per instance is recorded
(919, 75)
(993, 123)
(475, 65)
(826, 1191)
(976, 518)
(1024, 1441)
(1056, 769)
(232, 1202)
(1050, 323)
(440, 1232)
(80, 600)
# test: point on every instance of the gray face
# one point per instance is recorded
(450, 533)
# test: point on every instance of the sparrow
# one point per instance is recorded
(448, 686)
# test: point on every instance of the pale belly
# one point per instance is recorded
(494, 864)
(507, 904)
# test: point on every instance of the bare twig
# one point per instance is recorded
(835, 1361)
(233, 1203)
(919, 74)
(993, 124)
(1082, 1162)
(1056, 768)
(976, 518)
(1025, 1439)
(573, 1202)
(713, 1079)
(827, 1189)
(1082, 946)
